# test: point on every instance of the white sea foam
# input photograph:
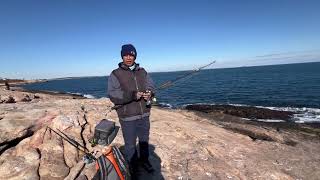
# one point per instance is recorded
(270, 120)
(238, 104)
(79, 94)
(301, 115)
(88, 96)
(166, 105)
(185, 105)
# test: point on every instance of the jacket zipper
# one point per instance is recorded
(135, 80)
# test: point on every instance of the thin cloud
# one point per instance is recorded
(299, 55)
(271, 59)
(291, 53)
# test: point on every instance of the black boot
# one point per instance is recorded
(144, 157)
(133, 166)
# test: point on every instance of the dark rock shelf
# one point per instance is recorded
(243, 111)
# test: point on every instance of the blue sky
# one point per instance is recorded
(59, 38)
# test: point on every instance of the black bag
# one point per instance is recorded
(112, 166)
(105, 132)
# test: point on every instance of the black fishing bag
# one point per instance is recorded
(112, 166)
(105, 132)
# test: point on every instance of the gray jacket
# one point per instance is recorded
(123, 84)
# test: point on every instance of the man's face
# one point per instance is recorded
(128, 60)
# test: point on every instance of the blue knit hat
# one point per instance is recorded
(128, 49)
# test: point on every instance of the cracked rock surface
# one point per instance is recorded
(183, 145)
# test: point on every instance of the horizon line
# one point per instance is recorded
(246, 66)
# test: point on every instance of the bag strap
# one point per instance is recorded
(121, 161)
(110, 156)
(102, 167)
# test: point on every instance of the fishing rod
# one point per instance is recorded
(166, 85)
(87, 158)
(191, 73)
(74, 141)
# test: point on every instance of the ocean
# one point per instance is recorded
(290, 87)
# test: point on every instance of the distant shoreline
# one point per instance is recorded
(19, 82)
(54, 93)
(15, 85)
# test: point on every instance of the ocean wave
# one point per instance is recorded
(165, 105)
(79, 94)
(270, 120)
(89, 96)
(265, 120)
(301, 115)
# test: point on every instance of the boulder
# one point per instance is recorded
(23, 98)
(21, 163)
(9, 99)
(52, 159)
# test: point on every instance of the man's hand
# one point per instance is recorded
(139, 95)
(146, 95)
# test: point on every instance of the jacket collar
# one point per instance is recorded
(125, 67)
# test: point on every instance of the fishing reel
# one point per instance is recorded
(152, 99)
(88, 158)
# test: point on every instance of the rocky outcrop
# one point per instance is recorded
(7, 99)
(23, 98)
(183, 144)
(16, 98)
(52, 161)
(243, 111)
(20, 162)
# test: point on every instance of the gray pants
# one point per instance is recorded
(132, 130)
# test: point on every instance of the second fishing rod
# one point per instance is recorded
(87, 158)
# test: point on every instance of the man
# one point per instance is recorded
(130, 88)
(7, 85)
